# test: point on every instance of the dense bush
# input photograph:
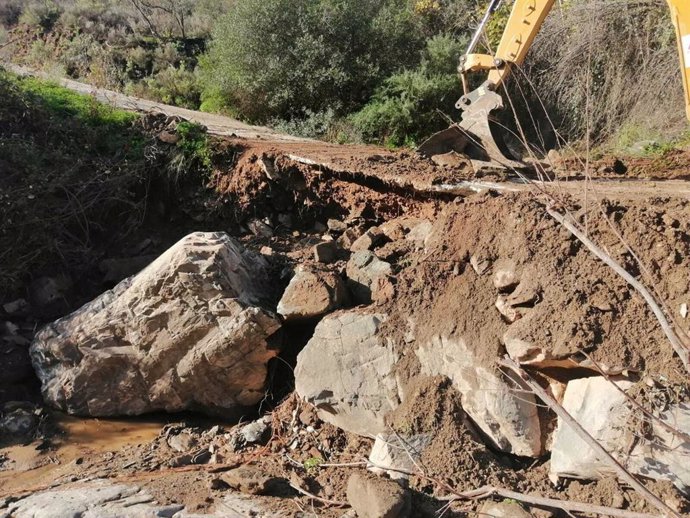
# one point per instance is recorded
(414, 103)
(284, 58)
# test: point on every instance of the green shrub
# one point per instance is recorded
(282, 58)
(41, 14)
(175, 86)
(405, 109)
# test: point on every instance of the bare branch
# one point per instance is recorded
(600, 451)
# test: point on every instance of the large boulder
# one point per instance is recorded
(605, 413)
(346, 372)
(505, 415)
(189, 332)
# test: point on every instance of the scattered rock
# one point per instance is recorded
(256, 432)
(155, 341)
(16, 307)
(479, 265)
(18, 422)
(510, 420)
(325, 252)
(182, 442)
(369, 240)
(505, 280)
(363, 270)
(260, 228)
(374, 497)
(393, 230)
(419, 234)
(346, 372)
(312, 293)
(505, 509)
(605, 414)
(335, 225)
(267, 251)
(348, 238)
(506, 309)
(399, 453)
(684, 310)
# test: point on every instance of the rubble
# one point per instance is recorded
(312, 293)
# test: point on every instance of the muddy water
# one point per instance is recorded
(27, 468)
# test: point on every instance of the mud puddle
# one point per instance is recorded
(34, 465)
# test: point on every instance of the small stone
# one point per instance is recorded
(335, 225)
(419, 234)
(266, 250)
(369, 240)
(16, 307)
(393, 454)
(255, 432)
(505, 280)
(373, 497)
(348, 238)
(393, 230)
(684, 310)
(479, 265)
(325, 252)
(182, 442)
(18, 422)
(259, 228)
(505, 509)
(510, 313)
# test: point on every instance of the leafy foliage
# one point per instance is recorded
(284, 58)
(406, 107)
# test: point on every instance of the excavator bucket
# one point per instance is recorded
(476, 136)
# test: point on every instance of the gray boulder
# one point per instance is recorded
(365, 273)
(508, 417)
(605, 413)
(346, 372)
(189, 332)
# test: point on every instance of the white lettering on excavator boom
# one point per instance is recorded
(686, 50)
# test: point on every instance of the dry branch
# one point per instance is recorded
(678, 346)
(600, 451)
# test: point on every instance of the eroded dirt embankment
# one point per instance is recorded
(446, 249)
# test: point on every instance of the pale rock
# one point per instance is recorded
(335, 225)
(393, 452)
(504, 307)
(505, 280)
(364, 270)
(267, 251)
(347, 372)
(480, 265)
(508, 418)
(605, 413)
(393, 230)
(312, 293)
(419, 234)
(189, 332)
(256, 432)
(369, 240)
(373, 497)
(684, 310)
(505, 509)
(182, 442)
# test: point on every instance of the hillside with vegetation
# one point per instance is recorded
(364, 71)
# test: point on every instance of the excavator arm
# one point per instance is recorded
(475, 135)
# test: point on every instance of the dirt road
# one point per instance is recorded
(646, 177)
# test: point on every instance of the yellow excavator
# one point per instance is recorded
(478, 136)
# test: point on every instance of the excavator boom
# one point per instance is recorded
(476, 135)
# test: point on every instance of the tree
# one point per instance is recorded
(178, 10)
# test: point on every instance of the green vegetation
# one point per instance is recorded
(363, 70)
(69, 169)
